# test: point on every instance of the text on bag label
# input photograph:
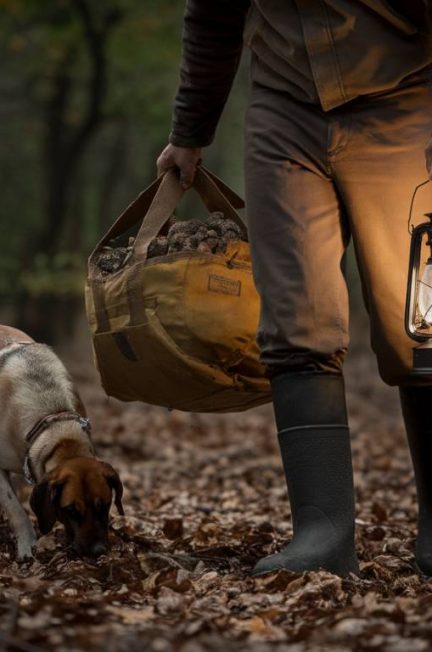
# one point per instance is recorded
(225, 285)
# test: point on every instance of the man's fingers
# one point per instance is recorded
(184, 159)
(163, 164)
(187, 173)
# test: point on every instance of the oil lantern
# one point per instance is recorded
(418, 312)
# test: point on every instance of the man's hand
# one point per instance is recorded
(184, 158)
(428, 154)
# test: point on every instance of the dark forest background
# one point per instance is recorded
(86, 96)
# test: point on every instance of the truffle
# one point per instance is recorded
(110, 260)
(158, 247)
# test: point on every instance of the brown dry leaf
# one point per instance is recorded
(176, 580)
(279, 581)
(351, 627)
(170, 601)
(38, 620)
(259, 628)
(379, 511)
(130, 615)
(131, 526)
(173, 528)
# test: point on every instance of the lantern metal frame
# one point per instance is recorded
(422, 354)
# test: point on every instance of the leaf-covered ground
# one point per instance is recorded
(205, 497)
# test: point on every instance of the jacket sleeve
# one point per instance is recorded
(211, 50)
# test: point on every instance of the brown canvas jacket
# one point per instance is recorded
(327, 52)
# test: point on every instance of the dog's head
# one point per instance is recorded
(78, 493)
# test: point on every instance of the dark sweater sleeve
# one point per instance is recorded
(211, 50)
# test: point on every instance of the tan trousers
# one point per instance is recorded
(313, 180)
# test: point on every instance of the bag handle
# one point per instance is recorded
(155, 205)
(212, 192)
(160, 210)
(235, 200)
(130, 216)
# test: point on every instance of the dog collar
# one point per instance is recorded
(39, 427)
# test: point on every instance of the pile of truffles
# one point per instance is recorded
(210, 236)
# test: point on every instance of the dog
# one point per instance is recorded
(45, 435)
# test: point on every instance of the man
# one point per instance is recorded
(338, 119)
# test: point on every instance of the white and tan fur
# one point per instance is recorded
(33, 383)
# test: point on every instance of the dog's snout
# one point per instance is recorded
(98, 548)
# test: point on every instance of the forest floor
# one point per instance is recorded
(205, 497)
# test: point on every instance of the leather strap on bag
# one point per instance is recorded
(162, 207)
(101, 312)
(230, 195)
(217, 196)
(132, 215)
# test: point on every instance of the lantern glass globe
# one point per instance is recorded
(425, 293)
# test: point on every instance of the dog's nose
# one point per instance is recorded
(98, 549)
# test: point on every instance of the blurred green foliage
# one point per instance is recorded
(57, 275)
(47, 43)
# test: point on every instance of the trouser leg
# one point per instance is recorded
(376, 173)
(298, 238)
(298, 234)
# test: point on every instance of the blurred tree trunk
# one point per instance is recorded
(65, 145)
(114, 172)
(64, 149)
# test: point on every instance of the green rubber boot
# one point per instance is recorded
(416, 405)
(314, 440)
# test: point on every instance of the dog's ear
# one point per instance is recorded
(43, 501)
(115, 483)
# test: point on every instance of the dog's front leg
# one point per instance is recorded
(18, 519)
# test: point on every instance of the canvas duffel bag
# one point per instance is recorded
(177, 330)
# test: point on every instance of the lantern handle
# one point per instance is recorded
(410, 226)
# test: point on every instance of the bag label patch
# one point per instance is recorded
(224, 285)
